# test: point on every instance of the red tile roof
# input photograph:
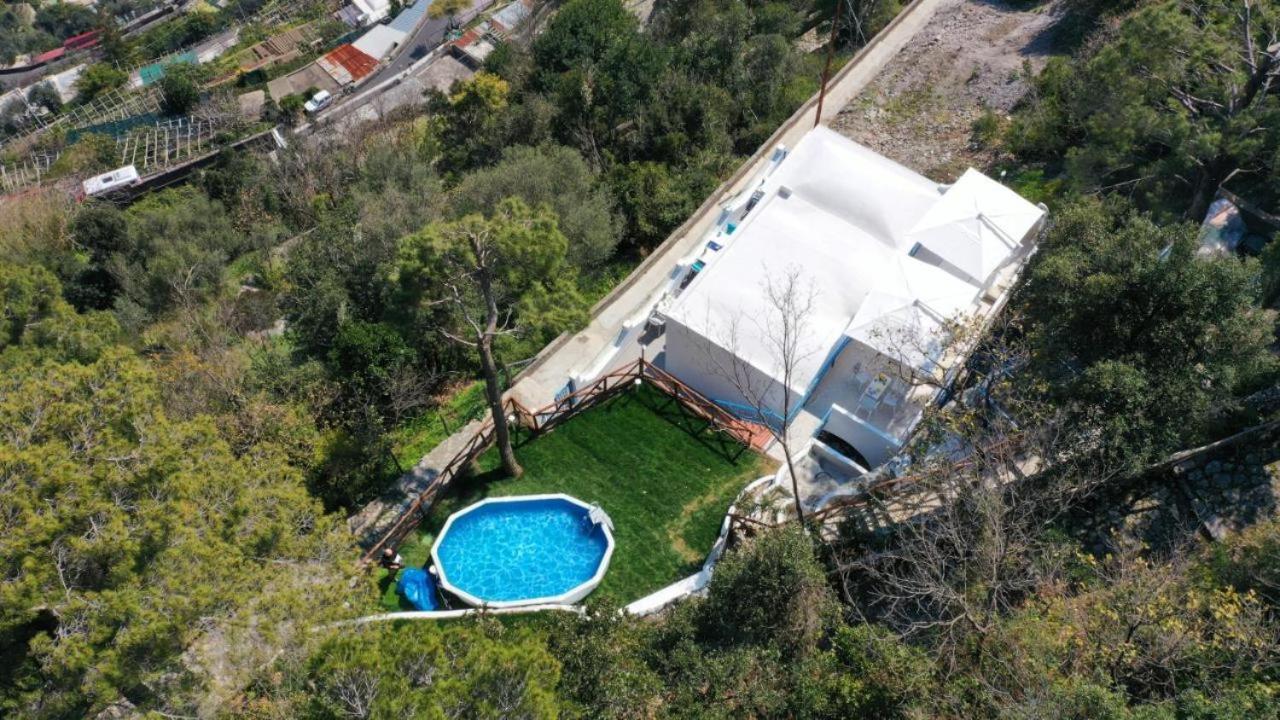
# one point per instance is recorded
(45, 57)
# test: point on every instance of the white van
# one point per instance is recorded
(317, 101)
(114, 180)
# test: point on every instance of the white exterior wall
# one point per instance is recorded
(876, 446)
(702, 365)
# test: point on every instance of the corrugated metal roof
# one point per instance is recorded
(513, 15)
(335, 70)
(409, 18)
(47, 56)
(346, 64)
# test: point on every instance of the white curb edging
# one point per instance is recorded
(697, 582)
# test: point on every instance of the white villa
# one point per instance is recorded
(890, 264)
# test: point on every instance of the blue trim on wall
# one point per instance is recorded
(747, 412)
(827, 364)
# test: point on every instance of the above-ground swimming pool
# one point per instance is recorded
(523, 550)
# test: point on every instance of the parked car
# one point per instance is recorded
(318, 101)
(107, 182)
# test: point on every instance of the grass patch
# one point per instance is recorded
(665, 485)
(419, 436)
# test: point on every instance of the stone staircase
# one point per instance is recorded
(373, 520)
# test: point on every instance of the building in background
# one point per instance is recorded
(364, 12)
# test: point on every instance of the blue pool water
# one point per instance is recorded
(521, 550)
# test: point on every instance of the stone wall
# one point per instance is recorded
(1208, 492)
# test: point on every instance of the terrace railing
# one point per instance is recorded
(915, 493)
(547, 418)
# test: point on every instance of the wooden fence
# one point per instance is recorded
(545, 419)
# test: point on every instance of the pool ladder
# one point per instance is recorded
(598, 516)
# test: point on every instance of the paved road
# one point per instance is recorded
(438, 74)
(10, 81)
(570, 355)
(429, 36)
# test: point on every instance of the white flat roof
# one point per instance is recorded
(848, 221)
(728, 302)
(378, 41)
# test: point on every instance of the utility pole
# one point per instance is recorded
(826, 70)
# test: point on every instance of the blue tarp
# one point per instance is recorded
(153, 72)
(408, 19)
(418, 588)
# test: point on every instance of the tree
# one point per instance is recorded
(470, 118)
(38, 232)
(36, 317)
(46, 96)
(18, 34)
(552, 175)
(368, 356)
(1271, 274)
(116, 48)
(865, 18)
(950, 575)
(180, 88)
(418, 670)
(449, 9)
(146, 564)
(1138, 337)
(769, 395)
(483, 269)
(101, 230)
(63, 20)
(1182, 99)
(98, 79)
(583, 32)
(652, 198)
(291, 108)
(789, 605)
(177, 249)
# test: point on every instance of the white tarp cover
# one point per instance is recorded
(373, 10)
(976, 226)
(379, 41)
(845, 220)
(905, 315)
(865, 189)
(728, 304)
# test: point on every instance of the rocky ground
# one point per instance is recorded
(973, 56)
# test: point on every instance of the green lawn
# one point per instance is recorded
(418, 436)
(665, 488)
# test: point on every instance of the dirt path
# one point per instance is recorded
(972, 56)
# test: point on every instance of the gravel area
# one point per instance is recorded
(973, 56)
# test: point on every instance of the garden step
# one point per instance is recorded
(374, 519)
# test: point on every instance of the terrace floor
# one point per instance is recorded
(665, 483)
